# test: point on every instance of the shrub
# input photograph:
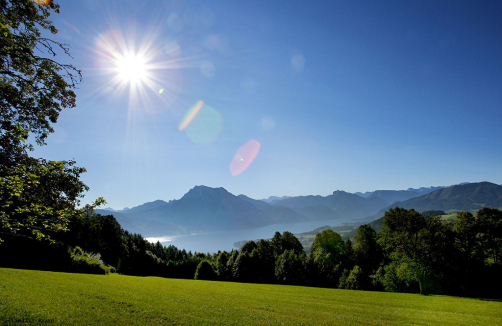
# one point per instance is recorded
(205, 271)
(87, 263)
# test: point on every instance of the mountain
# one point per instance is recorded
(272, 198)
(392, 196)
(278, 214)
(208, 209)
(426, 190)
(340, 204)
(348, 205)
(464, 197)
(205, 209)
(144, 207)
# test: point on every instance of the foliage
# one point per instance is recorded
(205, 271)
(249, 247)
(357, 279)
(37, 197)
(244, 268)
(88, 263)
(40, 197)
(264, 259)
(327, 254)
(288, 268)
(34, 87)
(409, 236)
(489, 223)
(221, 267)
(437, 258)
(367, 251)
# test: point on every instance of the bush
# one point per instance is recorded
(205, 271)
(87, 263)
(355, 280)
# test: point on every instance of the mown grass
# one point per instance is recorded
(78, 299)
(449, 217)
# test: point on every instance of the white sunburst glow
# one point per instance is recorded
(132, 69)
(141, 70)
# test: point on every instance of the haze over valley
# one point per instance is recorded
(208, 218)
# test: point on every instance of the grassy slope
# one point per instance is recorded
(115, 300)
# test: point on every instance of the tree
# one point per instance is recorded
(249, 247)
(34, 87)
(221, 267)
(423, 245)
(489, 225)
(328, 251)
(37, 196)
(288, 268)
(244, 268)
(290, 242)
(367, 251)
(205, 271)
(276, 243)
(263, 256)
(466, 239)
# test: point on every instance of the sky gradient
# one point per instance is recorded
(354, 96)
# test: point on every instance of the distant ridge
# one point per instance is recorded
(392, 196)
(206, 209)
(273, 198)
(463, 197)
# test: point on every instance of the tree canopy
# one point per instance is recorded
(37, 196)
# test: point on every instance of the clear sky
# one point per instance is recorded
(325, 95)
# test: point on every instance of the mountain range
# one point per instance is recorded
(205, 209)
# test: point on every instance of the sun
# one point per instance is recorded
(141, 70)
(131, 68)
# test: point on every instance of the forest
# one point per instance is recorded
(412, 253)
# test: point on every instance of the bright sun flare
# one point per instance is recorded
(132, 69)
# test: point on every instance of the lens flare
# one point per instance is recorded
(202, 123)
(244, 156)
(190, 115)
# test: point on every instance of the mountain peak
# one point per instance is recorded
(205, 192)
(341, 193)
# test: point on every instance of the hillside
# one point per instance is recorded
(465, 197)
(38, 297)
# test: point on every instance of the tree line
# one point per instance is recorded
(412, 253)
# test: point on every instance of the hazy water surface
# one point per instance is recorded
(212, 242)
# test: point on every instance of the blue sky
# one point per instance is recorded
(355, 96)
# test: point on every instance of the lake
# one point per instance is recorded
(212, 242)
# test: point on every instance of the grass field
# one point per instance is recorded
(36, 297)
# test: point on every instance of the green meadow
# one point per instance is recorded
(39, 297)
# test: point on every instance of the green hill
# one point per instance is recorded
(466, 197)
(37, 298)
